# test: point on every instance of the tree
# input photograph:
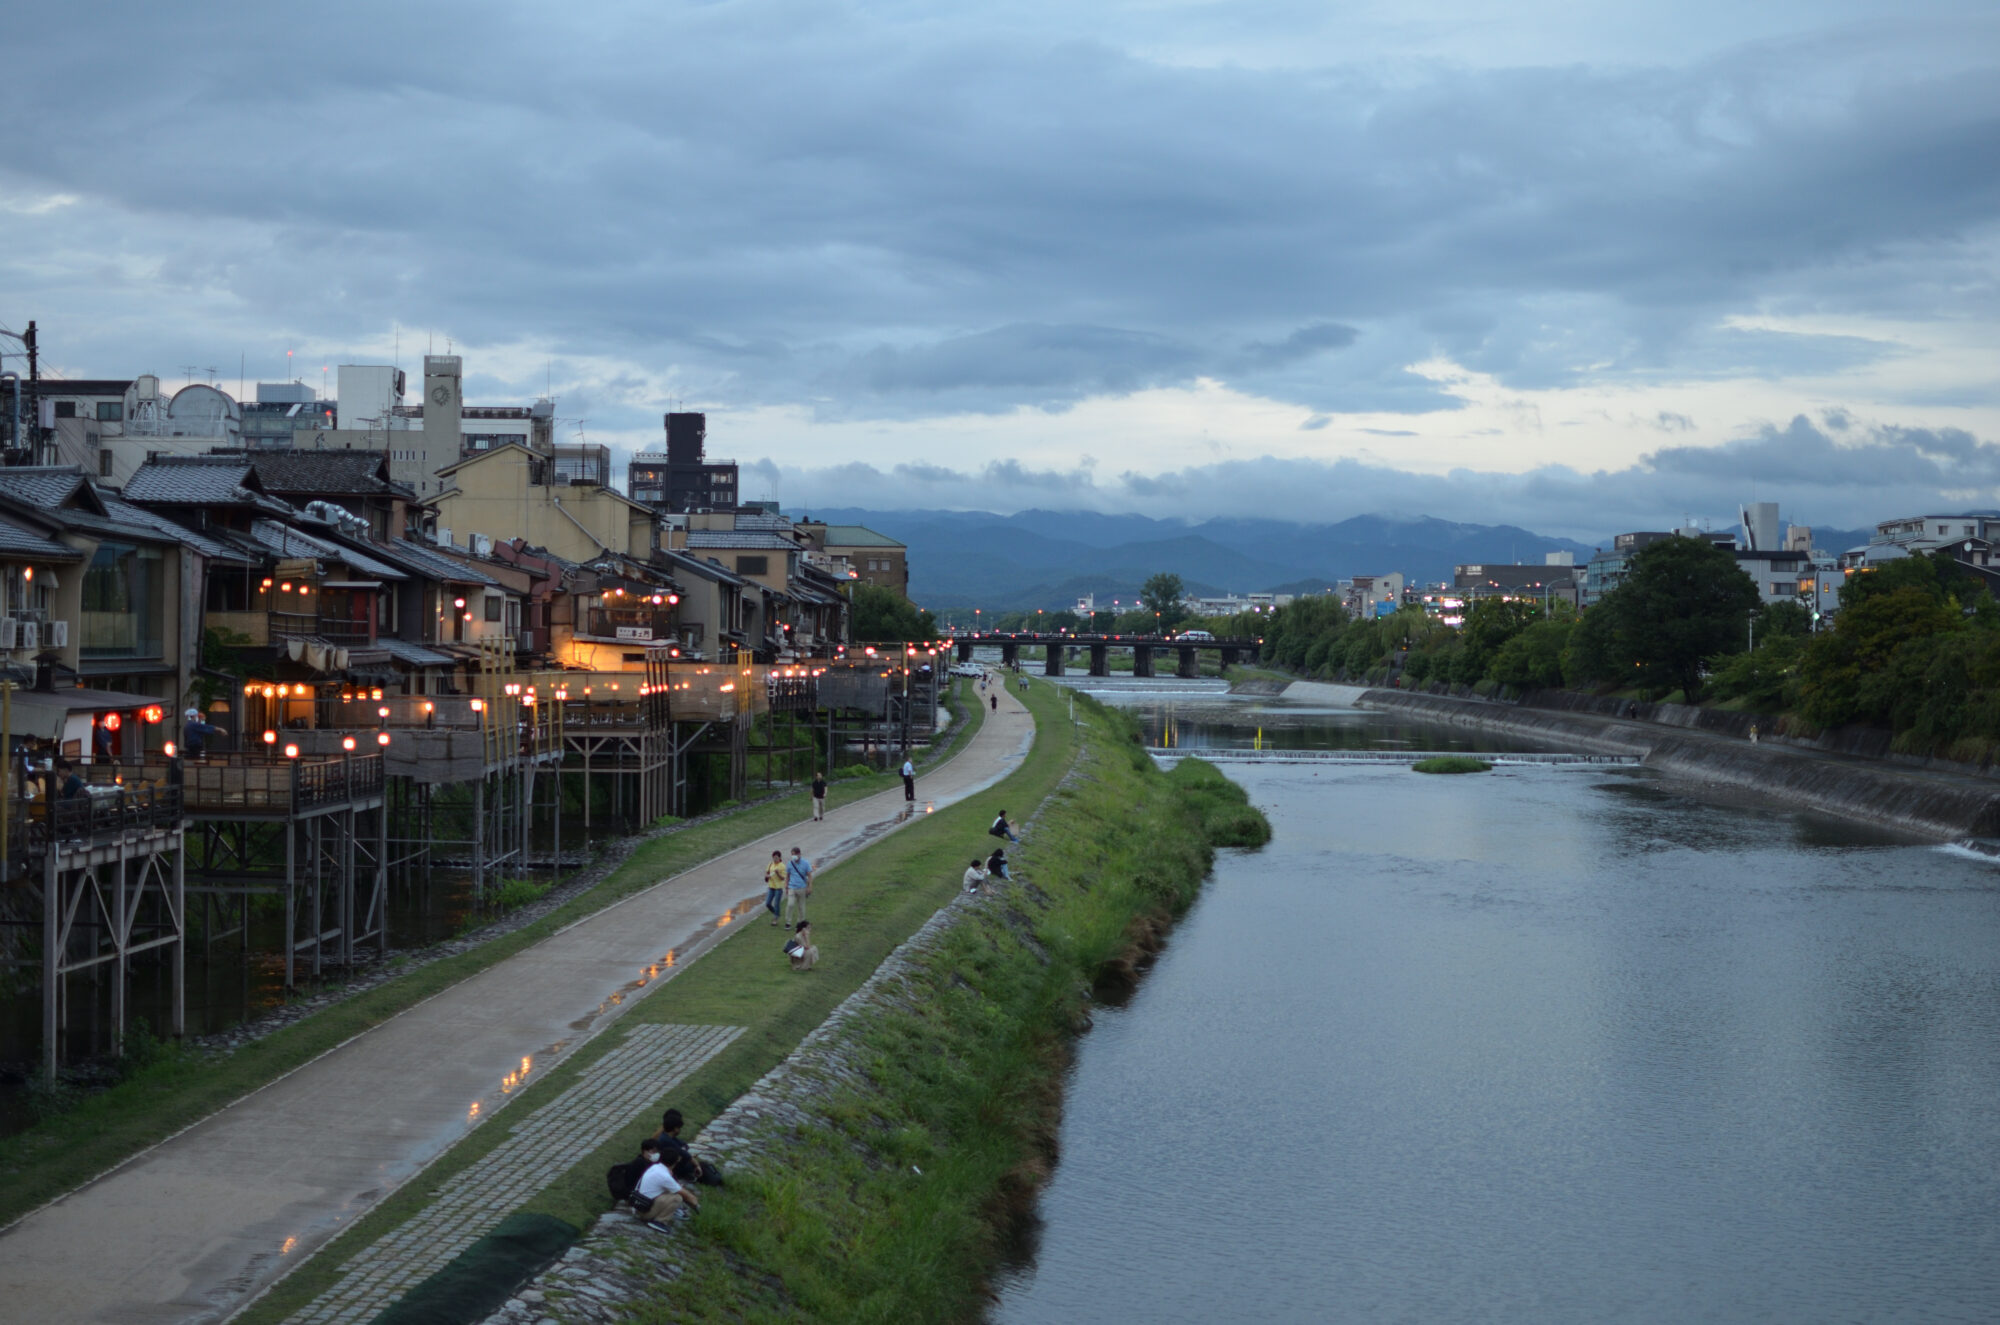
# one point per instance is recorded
(1161, 595)
(881, 615)
(1533, 659)
(1846, 676)
(1783, 619)
(1683, 602)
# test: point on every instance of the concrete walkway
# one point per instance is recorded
(195, 1228)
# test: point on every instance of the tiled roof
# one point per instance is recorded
(124, 514)
(420, 560)
(759, 520)
(709, 569)
(857, 535)
(286, 541)
(199, 481)
(319, 472)
(17, 541)
(738, 538)
(45, 486)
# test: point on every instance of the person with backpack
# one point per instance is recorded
(1001, 828)
(798, 885)
(774, 888)
(819, 797)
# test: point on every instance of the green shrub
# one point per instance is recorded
(517, 893)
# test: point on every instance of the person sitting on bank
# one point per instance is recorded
(671, 1147)
(1001, 828)
(801, 949)
(660, 1197)
(997, 864)
(194, 736)
(975, 876)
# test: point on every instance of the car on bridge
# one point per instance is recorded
(1195, 636)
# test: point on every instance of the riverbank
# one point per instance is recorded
(881, 1171)
(1937, 804)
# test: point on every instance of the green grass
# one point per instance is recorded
(861, 909)
(67, 1149)
(1451, 764)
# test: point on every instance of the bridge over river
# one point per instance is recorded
(1058, 645)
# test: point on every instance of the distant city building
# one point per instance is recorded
(1374, 595)
(1551, 583)
(682, 477)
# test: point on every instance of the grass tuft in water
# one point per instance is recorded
(1451, 764)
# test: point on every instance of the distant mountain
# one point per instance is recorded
(1047, 559)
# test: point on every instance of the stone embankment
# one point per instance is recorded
(1941, 803)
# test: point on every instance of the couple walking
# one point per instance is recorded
(787, 884)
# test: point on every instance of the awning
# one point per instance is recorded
(43, 713)
(414, 655)
(350, 584)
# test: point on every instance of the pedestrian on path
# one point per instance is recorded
(774, 887)
(798, 885)
(909, 781)
(801, 949)
(819, 797)
(995, 701)
(975, 876)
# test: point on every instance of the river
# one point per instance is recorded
(1541, 1044)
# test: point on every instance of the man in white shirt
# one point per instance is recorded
(909, 781)
(975, 878)
(662, 1198)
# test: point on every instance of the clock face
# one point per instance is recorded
(441, 394)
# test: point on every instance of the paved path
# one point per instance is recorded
(539, 1149)
(196, 1227)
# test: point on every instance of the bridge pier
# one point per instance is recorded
(1100, 660)
(1190, 664)
(965, 650)
(1229, 658)
(1142, 660)
(1053, 654)
(1010, 655)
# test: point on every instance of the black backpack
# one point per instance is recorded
(623, 1179)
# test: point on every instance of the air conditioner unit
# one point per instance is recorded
(10, 632)
(30, 636)
(59, 634)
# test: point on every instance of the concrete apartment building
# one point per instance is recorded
(873, 558)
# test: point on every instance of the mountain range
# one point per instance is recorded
(1048, 559)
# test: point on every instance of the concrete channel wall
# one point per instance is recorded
(1940, 804)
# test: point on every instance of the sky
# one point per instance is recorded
(1572, 266)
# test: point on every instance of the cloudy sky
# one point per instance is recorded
(1576, 266)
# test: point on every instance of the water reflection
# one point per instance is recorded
(1547, 1044)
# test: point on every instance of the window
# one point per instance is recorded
(104, 464)
(753, 565)
(493, 607)
(66, 409)
(110, 411)
(120, 617)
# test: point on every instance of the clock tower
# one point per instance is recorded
(444, 413)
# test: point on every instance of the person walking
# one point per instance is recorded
(819, 797)
(909, 781)
(774, 887)
(798, 885)
(995, 700)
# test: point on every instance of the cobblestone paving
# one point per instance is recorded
(540, 1149)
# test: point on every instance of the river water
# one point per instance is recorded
(1541, 1044)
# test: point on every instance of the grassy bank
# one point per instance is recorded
(896, 1208)
(181, 1087)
